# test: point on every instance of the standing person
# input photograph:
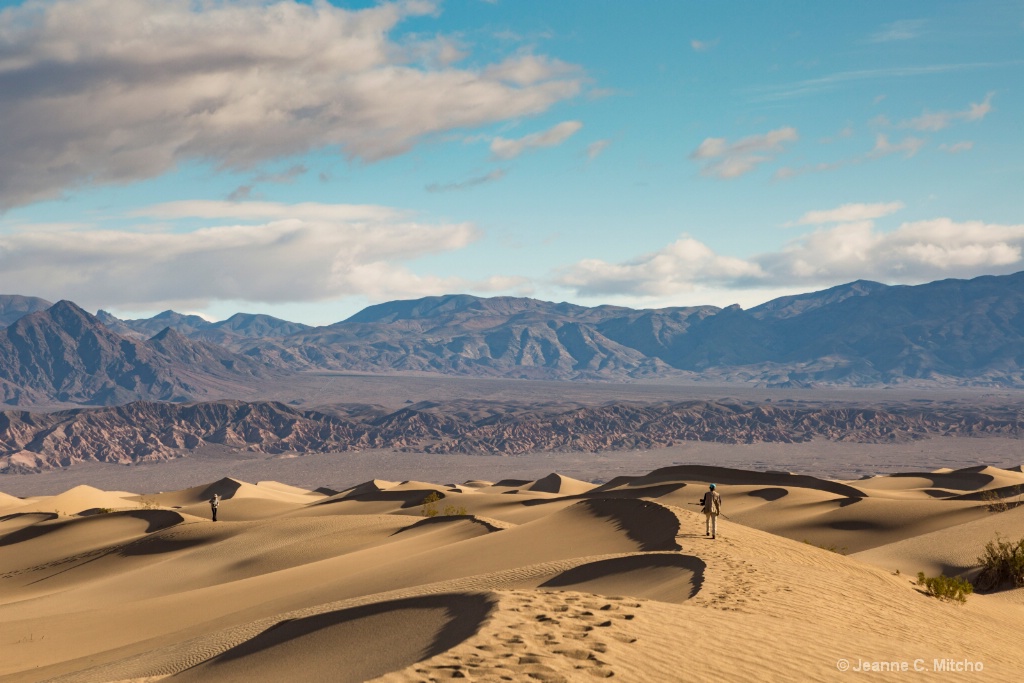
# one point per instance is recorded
(214, 504)
(712, 503)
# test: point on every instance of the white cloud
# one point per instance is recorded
(957, 147)
(849, 213)
(679, 267)
(594, 149)
(934, 121)
(496, 174)
(277, 253)
(915, 252)
(703, 45)
(102, 91)
(503, 148)
(908, 147)
(905, 29)
(726, 160)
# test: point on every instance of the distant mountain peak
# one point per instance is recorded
(455, 304)
(15, 306)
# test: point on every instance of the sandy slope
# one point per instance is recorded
(553, 579)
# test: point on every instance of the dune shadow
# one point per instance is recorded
(27, 533)
(651, 526)
(1002, 493)
(408, 499)
(156, 519)
(666, 577)
(769, 494)
(444, 519)
(856, 525)
(512, 482)
(968, 479)
(939, 493)
(355, 644)
(654, 491)
(226, 487)
(725, 475)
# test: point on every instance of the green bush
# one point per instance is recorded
(1002, 563)
(430, 504)
(944, 587)
(430, 507)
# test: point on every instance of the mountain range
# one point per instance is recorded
(951, 332)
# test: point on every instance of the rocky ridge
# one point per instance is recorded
(152, 431)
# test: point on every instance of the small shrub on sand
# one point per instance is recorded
(430, 505)
(996, 503)
(1002, 563)
(993, 502)
(952, 588)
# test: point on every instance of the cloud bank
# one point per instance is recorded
(110, 91)
(256, 251)
(851, 248)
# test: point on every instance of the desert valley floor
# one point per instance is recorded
(515, 578)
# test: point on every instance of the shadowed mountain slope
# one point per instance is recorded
(65, 354)
(14, 306)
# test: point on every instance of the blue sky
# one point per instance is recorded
(307, 159)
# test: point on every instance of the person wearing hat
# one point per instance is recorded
(712, 503)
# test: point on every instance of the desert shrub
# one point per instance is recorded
(993, 502)
(452, 510)
(996, 503)
(1002, 563)
(430, 504)
(952, 588)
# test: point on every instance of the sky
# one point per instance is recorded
(307, 159)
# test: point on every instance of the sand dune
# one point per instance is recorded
(557, 483)
(552, 579)
(80, 499)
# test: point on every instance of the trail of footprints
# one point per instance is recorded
(566, 638)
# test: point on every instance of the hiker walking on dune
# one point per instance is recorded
(214, 504)
(712, 503)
